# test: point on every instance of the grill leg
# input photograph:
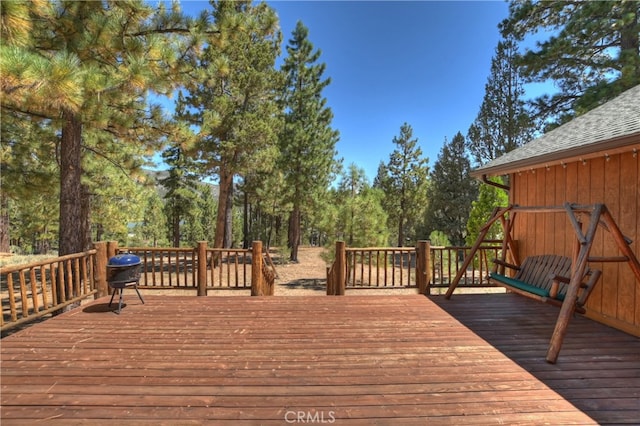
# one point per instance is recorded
(120, 290)
(120, 302)
(113, 293)
(139, 295)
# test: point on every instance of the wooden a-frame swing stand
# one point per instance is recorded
(599, 215)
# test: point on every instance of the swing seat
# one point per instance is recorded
(545, 278)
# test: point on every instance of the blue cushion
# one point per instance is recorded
(521, 285)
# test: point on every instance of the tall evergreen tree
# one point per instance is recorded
(181, 184)
(153, 228)
(27, 175)
(404, 181)
(232, 100)
(360, 218)
(503, 122)
(591, 55)
(307, 143)
(451, 192)
(87, 67)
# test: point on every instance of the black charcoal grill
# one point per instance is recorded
(123, 271)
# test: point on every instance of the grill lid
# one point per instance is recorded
(126, 259)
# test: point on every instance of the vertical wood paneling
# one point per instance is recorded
(614, 182)
(611, 198)
(540, 191)
(560, 221)
(602, 293)
(551, 236)
(571, 191)
(627, 221)
(520, 224)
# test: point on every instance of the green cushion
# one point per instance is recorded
(521, 285)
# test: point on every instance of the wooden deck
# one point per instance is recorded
(409, 360)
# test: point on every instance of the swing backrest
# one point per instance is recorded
(538, 271)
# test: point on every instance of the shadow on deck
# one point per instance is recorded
(598, 369)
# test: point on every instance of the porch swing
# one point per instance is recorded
(557, 280)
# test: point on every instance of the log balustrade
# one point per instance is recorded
(422, 267)
(34, 290)
(38, 289)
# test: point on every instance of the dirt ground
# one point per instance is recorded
(309, 277)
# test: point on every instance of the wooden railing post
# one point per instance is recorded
(112, 249)
(202, 268)
(423, 270)
(257, 281)
(340, 268)
(100, 269)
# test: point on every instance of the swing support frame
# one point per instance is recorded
(598, 214)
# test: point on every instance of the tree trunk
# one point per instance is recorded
(629, 45)
(85, 207)
(401, 231)
(5, 246)
(294, 233)
(245, 222)
(228, 218)
(99, 231)
(72, 237)
(226, 180)
(175, 228)
(72, 223)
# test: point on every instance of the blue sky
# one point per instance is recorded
(390, 62)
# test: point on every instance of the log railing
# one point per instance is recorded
(199, 268)
(422, 267)
(37, 289)
(34, 290)
(447, 261)
(381, 267)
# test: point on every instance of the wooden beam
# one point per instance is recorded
(621, 242)
(554, 209)
(603, 259)
(577, 226)
(497, 214)
(569, 305)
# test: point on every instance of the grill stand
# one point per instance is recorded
(119, 288)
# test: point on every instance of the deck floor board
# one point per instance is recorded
(474, 359)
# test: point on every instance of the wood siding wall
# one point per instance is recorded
(612, 180)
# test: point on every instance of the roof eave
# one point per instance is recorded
(609, 146)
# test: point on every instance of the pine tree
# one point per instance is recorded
(232, 101)
(27, 175)
(87, 67)
(404, 180)
(592, 54)
(451, 192)
(154, 224)
(307, 143)
(360, 218)
(181, 195)
(503, 122)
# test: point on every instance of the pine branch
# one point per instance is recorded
(113, 162)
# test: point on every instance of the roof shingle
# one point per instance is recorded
(598, 129)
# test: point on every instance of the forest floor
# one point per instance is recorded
(308, 277)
